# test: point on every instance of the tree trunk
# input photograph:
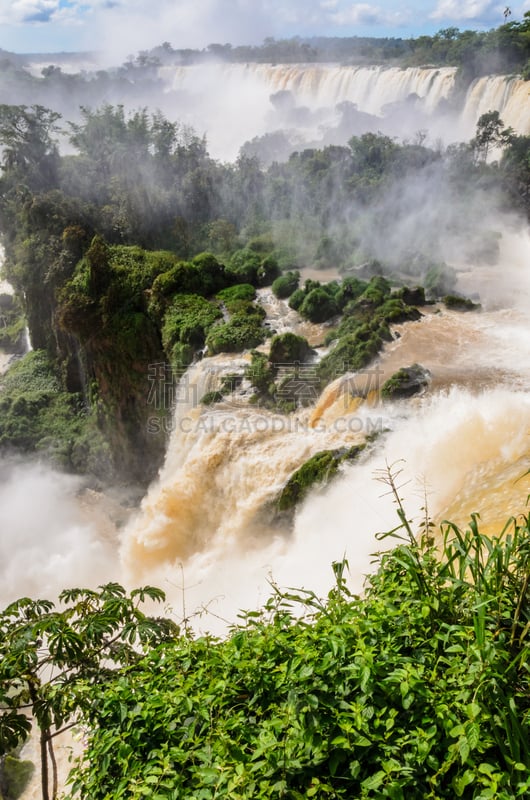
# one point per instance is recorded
(44, 764)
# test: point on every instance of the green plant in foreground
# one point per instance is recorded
(417, 689)
(50, 657)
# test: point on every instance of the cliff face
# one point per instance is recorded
(108, 344)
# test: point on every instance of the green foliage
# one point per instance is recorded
(36, 415)
(268, 271)
(244, 267)
(188, 320)
(318, 305)
(296, 299)
(237, 297)
(286, 284)
(288, 348)
(210, 398)
(51, 656)
(260, 373)
(316, 302)
(418, 689)
(211, 272)
(12, 325)
(242, 332)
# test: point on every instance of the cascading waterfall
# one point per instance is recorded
(401, 101)
(464, 444)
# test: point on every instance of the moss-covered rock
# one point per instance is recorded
(242, 332)
(210, 398)
(352, 352)
(286, 284)
(406, 382)
(288, 348)
(458, 303)
(316, 471)
(188, 320)
(318, 305)
(412, 297)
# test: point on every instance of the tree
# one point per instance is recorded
(50, 656)
(30, 154)
(490, 133)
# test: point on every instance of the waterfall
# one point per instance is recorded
(396, 101)
(466, 443)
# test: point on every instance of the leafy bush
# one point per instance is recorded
(268, 271)
(318, 305)
(188, 320)
(242, 332)
(260, 373)
(237, 298)
(286, 284)
(243, 267)
(36, 415)
(288, 348)
(296, 299)
(418, 689)
(211, 273)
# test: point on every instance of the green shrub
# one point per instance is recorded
(211, 273)
(286, 284)
(188, 320)
(318, 305)
(296, 299)
(288, 348)
(260, 373)
(268, 271)
(242, 332)
(243, 267)
(417, 689)
(37, 416)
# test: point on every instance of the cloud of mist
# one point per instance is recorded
(46, 543)
(191, 23)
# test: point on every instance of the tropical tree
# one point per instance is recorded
(50, 656)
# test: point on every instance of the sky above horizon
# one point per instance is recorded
(123, 27)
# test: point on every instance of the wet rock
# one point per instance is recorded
(406, 382)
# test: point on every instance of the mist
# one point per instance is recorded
(47, 541)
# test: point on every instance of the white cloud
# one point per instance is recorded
(366, 14)
(27, 11)
(466, 9)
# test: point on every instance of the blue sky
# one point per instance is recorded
(126, 26)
